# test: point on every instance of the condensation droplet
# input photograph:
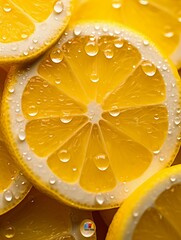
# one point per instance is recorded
(94, 77)
(101, 161)
(146, 42)
(148, 68)
(22, 135)
(11, 89)
(52, 180)
(144, 2)
(108, 53)
(24, 35)
(156, 117)
(87, 228)
(169, 34)
(32, 111)
(77, 30)
(64, 155)
(172, 179)
(118, 43)
(7, 8)
(58, 7)
(56, 55)
(177, 121)
(91, 48)
(116, 4)
(100, 198)
(115, 113)
(156, 152)
(135, 214)
(161, 159)
(9, 232)
(66, 119)
(8, 195)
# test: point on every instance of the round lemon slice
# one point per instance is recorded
(95, 117)
(152, 211)
(28, 28)
(158, 19)
(13, 185)
(40, 217)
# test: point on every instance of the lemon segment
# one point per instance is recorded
(34, 219)
(154, 209)
(100, 112)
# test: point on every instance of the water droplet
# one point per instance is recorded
(94, 77)
(146, 42)
(164, 67)
(56, 55)
(64, 155)
(118, 43)
(172, 179)
(58, 81)
(135, 214)
(91, 48)
(25, 53)
(9, 232)
(8, 195)
(24, 35)
(156, 117)
(115, 113)
(58, 7)
(66, 119)
(29, 158)
(66, 236)
(144, 2)
(177, 121)
(87, 228)
(148, 68)
(35, 41)
(77, 30)
(116, 4)
(100, 198)
(22, 135)
(11, 89)
(168, 34)
(108, 53)
(161, 159)
(52, 180)
(179, 138)
(101, 162)
(169, 131)
(156, 152)
(32, 111)
(7, 8)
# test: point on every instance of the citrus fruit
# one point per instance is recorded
(28, 28)
(13, 185)
(152, 211)
(97, 115)
(160, 20)
(40, 217)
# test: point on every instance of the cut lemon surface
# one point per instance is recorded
(42, 218)
(13, 185)
(158, 19)
(98, 114)
(28, 28)
(152, 211)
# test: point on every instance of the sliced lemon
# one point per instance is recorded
(28, 28)
(13, 185)
(162, 19)
(40, 217)
(99, 114)
(152, 211)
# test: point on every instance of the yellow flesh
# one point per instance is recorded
(134, 120)
(17, 21)
(8, 170)
(37, 217)
(159, 20)
(162, 221)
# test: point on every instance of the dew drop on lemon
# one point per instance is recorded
(56, 55)
(91, 48)
(148, 68)
(64, 155)
(101, 161)
(9, 232)
(58, 7)
(8, 195)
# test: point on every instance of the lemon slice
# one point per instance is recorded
(152, 211)
(28, 28)
(40, 217)
(162, 19)
(13, 185)
(98, 114)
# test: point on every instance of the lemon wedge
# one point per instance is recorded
(13, 185)
(152, 211)
(97, 115)
(29, 28)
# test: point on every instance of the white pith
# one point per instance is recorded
(41, 38)
(74, 192)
